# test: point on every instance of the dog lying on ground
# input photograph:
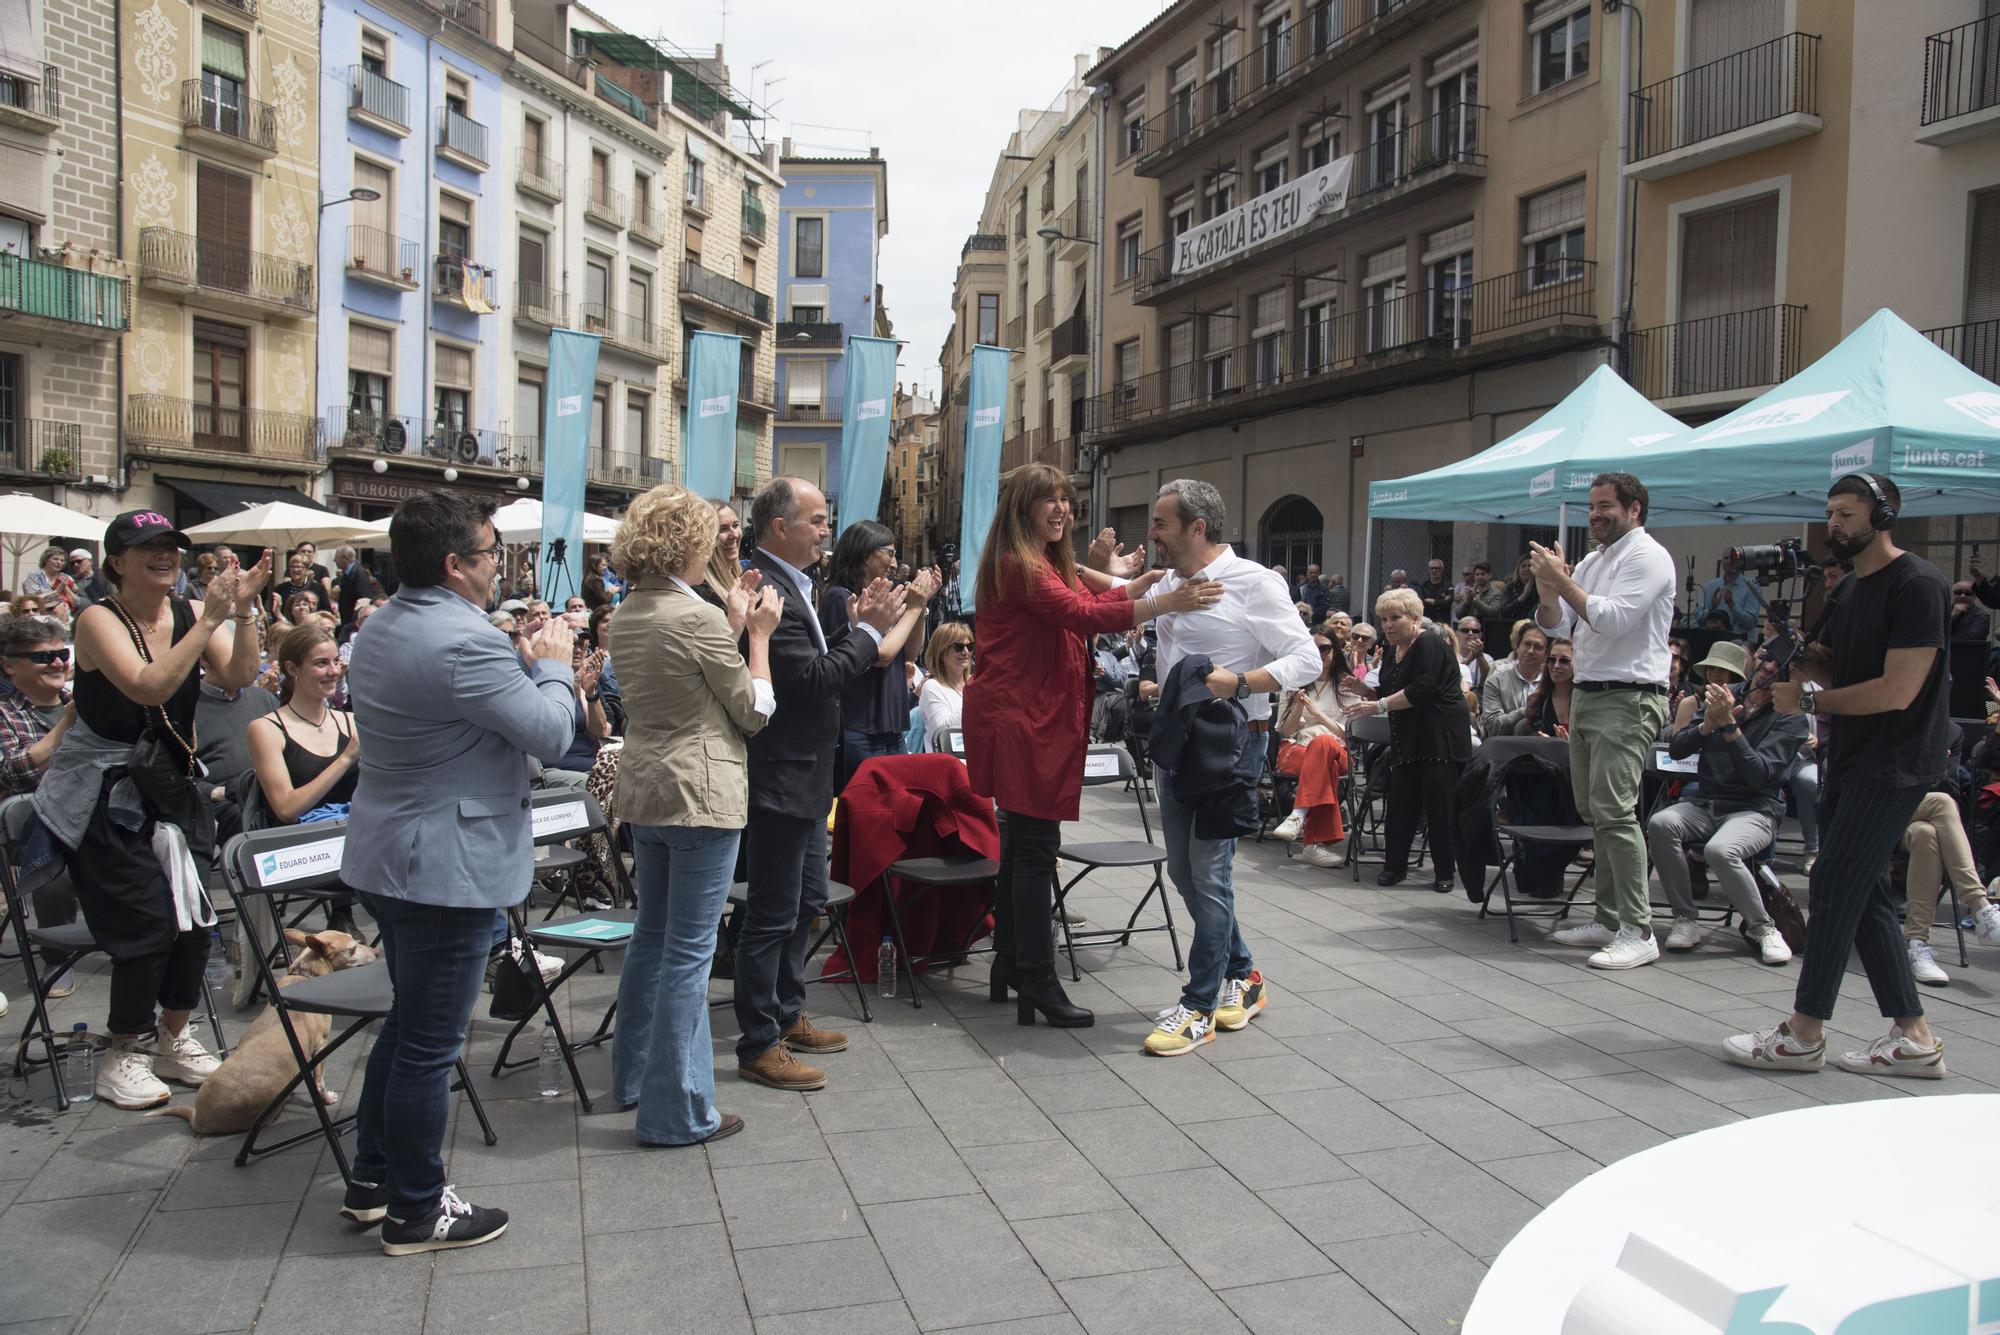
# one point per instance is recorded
(261, 1063)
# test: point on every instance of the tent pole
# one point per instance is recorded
(1562, 529)
(1367, 554)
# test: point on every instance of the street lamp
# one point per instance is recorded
(360, 194)
(1058, 234)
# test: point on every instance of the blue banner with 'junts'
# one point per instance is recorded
(709, 439)
(565, 461)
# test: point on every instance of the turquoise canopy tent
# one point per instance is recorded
(1885, 400)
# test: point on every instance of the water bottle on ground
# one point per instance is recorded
(80, 1065)
(216, 971)
(548, 1064)
(885, 968)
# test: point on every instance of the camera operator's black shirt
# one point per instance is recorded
(1904, 605)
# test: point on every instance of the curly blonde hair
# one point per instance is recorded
(663, 532)
(1405, 601)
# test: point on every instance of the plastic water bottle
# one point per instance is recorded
(548, 1063)
(80, 1065)
(216, 971)
(885, 968)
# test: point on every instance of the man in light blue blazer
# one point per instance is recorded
(438, 840)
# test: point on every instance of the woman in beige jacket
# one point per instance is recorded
(690, 701)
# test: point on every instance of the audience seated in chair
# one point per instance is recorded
(1938, 849)
(1314, 748)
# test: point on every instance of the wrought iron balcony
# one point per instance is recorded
(548, 55)
(41, 448)
(383, 257)
(1076, 226)
(722, 292)
(754, 221)
(471, 15)
(1017, 332)
(1738, 104)
(616, 468)
(541, 175)
(519, 452)
(1961, 82)
(74, 305)
(633, 332)
(373, 433)
(1976, 345)
(157, 423)
(212, 272)
(793, 335)
(539, 304)
(825, 408)
(754, 393)
(982, 241)
(462, 139)
(1045, 312)
(247, 8)
(459, 283)
(1740, 354)
(647, 224)
(31, 102)
(228, 120)
(602, 204)
(1071, 341)
(377, 100)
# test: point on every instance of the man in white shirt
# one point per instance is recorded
(1616, 609)
(1258, 646)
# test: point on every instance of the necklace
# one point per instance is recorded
(316, 727)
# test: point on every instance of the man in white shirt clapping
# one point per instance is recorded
(1616, 609)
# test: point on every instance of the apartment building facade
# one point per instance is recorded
(978, 291)
(412, 230)
(1398, 218)
(912, 455)
(65, 292)
(832, 216)
(220, 174)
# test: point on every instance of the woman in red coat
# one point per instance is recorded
(1027, 711)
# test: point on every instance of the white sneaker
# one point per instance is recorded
(1321, 855)
(1593, 934)
(1771, 947)
(1628, 950)
(1287, 831)
(126, 1079)
(1774, 1049)
(3, 1004)
(1073, 918)
(1686, 934)
(181, 1057)
(1985, 925)
(1925, 966)
(1896, 1054)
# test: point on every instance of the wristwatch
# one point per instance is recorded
(1243, 687)
(1809, 699)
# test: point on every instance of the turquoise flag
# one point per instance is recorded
(709, 439)
(565, 450)
(986, 399)
(864, 428)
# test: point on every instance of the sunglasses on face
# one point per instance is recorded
(961, 648)
(1562, 662)
(44, 657)
(1472, 630)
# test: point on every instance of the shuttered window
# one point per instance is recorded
(1448, 241)
(1269, 314)
(23, 183)
(454, 366)
(1552, 211)
(371, 349)
(1729, 259)
(1718, 28)
(222, 52)
(1384, 265)
(1982, 279)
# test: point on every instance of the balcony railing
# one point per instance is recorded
(45, 291)
(1719, 354)
(548, 55)
(1446, 138)
(1772, 79)
(1962, 71)
(1376, 341)
(1074, 222)
(373, 433)
(377, 96)
(42, 448)
(827, 408)
(463, 136)
(637, 332)
(541, 175)
(204, 264)
(603, 204)
(465, 285)
(752, 390)
(793, 335)
(472, 15)
(754, 221)
(615, 467)
(229, 115)
(1045, 311)
(646, 220)
(982, 241)
(38, 98)
(247, 8)
(538, 303)
(721, 290)
(519, 452)
(1071, 339)
(1976, 345)
(1017, 331)
(189, 424)
(1034, 445)
(384, 255)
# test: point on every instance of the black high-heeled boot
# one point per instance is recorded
(1041, 991)
(1000, 979)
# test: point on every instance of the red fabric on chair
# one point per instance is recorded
(916, 806)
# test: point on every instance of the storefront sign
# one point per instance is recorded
(1265, 218)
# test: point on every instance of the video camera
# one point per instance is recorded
(1776, 562)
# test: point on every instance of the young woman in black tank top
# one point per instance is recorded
(307, 753)
(139, 657)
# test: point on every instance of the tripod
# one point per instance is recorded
(555, 572)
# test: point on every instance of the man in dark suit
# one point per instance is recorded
(353, 586)
(791, 787)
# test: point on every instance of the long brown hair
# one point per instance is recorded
(1549, 677)
(293, 647)
(1009, 537)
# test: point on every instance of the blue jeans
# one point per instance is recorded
(787, 867)
(1201, 871)
(660, 1054)
(856, 747)
(436, 959)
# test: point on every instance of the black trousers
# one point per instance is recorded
(1023, 929)
(1852, 905)
(1428, 789)
(129, 908)
(787, 891)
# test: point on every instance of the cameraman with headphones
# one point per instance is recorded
(1876, 674)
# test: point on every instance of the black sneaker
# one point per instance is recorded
(365, 1202)
(453, 1224)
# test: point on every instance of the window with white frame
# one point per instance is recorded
(696, 180)
(1383, 287)
(638, 420)
(371, 365)
(1125, 373)
(1274, 41)
(1448, 274)
(1219, 193)
(1130, 237)
(1558, 42)
(1218, 361)
(808, 247)
(1179, 365)
(1132, 117)
(1180, 97)
(1388, 110)
(805, 383)
(1222, 73)
(1317, 308)
(374, 52)
(1268, 164)
(1319, 144)
(1180, 214)
(1552, 223)
(1268, 327)
(1453, 82)
(452, 399)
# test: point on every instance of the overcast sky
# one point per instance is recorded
(935, 84)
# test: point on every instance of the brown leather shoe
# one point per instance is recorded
(779, 1069)
(803, 1036)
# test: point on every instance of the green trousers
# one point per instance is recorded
(1610, 734)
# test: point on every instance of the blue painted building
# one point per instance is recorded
(832, 216)
(413, 179)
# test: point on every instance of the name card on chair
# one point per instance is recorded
(1666, 763)
(299, 861)
(1100, 765)
(559, 819)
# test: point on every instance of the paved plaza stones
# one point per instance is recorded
(1416, 1091)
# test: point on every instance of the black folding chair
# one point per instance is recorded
(839, 898)
(1368, 767)
(951, 741)
(304, 861)
(1512, 756)
(1104, 764)
(558, 815)
(70, 942)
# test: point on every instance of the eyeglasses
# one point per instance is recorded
(1562, 662)
(478, 552)
(1961, 593)
(44, 657)
(1471, 630)
(961, 648)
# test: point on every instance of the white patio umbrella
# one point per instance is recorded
(521, 521)
(28, 521)
(282, 525)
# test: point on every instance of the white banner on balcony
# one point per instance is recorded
(1268, 216)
